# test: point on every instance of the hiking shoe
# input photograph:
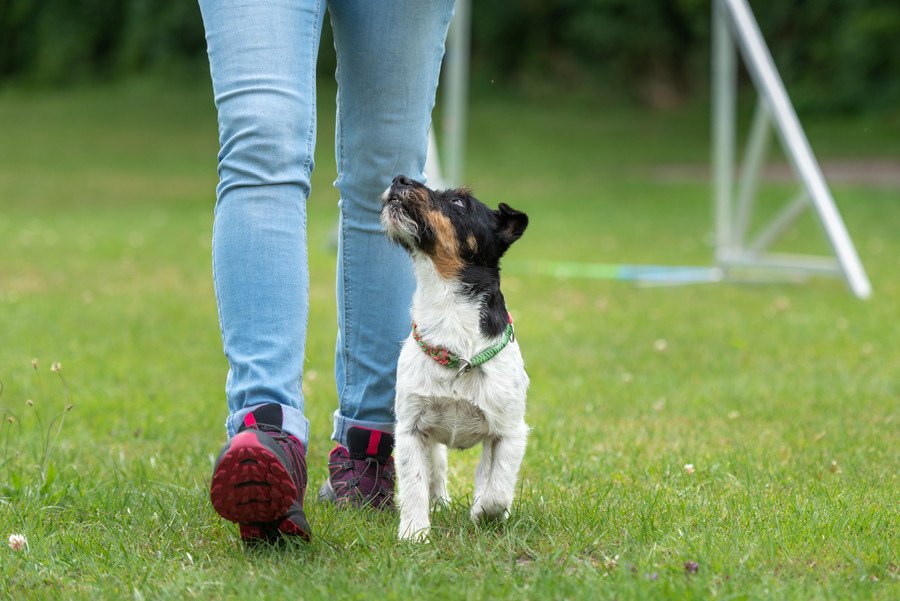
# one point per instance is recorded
(362, 473)
(259, 479)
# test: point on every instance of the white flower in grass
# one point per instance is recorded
(17, 542)
(689, 468)
(611, 563)
(661, 345)
(56, 366)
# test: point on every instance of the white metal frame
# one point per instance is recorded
(734, 28)
(455, 100)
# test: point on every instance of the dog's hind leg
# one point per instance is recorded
(412, 460)
(494, 498)
(438, 479)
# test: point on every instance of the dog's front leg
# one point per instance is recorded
(483, 471)
(412, 454)
(498, 478)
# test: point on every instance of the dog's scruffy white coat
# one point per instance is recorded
(437, 409)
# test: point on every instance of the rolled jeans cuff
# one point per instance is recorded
(292, 422)
(342, 424)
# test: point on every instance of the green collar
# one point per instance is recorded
(442, 354)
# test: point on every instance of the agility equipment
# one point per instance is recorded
(740, 254)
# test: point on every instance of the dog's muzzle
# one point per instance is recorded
(396, 220)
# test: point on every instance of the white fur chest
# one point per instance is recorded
(459, 411)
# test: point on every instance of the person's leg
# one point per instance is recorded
(388, 55)
(262, 59)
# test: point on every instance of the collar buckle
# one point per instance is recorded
(464, 367)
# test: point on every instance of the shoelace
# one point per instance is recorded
(381, 474)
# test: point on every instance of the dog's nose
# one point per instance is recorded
(402, 180)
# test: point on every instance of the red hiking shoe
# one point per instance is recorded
(362, 473)
(259, 479)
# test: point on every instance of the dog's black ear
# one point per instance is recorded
(511, 223)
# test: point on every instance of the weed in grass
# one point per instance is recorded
(17, 542)
(35, 478)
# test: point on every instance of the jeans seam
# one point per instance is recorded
(307, 169)
(307, 166)
(345, 343)
(215, 275)
(347, 384)
(340, 110)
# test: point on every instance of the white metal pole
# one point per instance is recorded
(456, 95)
(762, 68)
(776, 227)
(724, 84)
(754, 155)
(433, 163)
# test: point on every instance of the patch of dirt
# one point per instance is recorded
(877, 173)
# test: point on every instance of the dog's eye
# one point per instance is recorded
(458, 202)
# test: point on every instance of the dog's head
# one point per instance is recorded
(451, 227)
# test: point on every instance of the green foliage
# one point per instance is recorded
(838, 54)
(27, 444)
(630, 45)
(64, 42)
(835, 54)
(160, 34)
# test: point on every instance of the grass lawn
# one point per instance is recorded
(783, 397)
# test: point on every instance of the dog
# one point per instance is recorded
(460, 378)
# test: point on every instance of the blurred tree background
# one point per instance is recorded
(837, 55)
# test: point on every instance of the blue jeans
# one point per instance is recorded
(262, 56)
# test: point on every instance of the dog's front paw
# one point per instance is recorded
(417, 533)
(490, 508)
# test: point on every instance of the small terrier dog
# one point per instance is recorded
(460, 378)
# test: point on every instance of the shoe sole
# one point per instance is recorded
(295, 526)
(250, 483)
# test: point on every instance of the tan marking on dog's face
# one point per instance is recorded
(446, 257)
(472, 244)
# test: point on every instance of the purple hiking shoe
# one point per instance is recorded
(362, 473)
(259, 479)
